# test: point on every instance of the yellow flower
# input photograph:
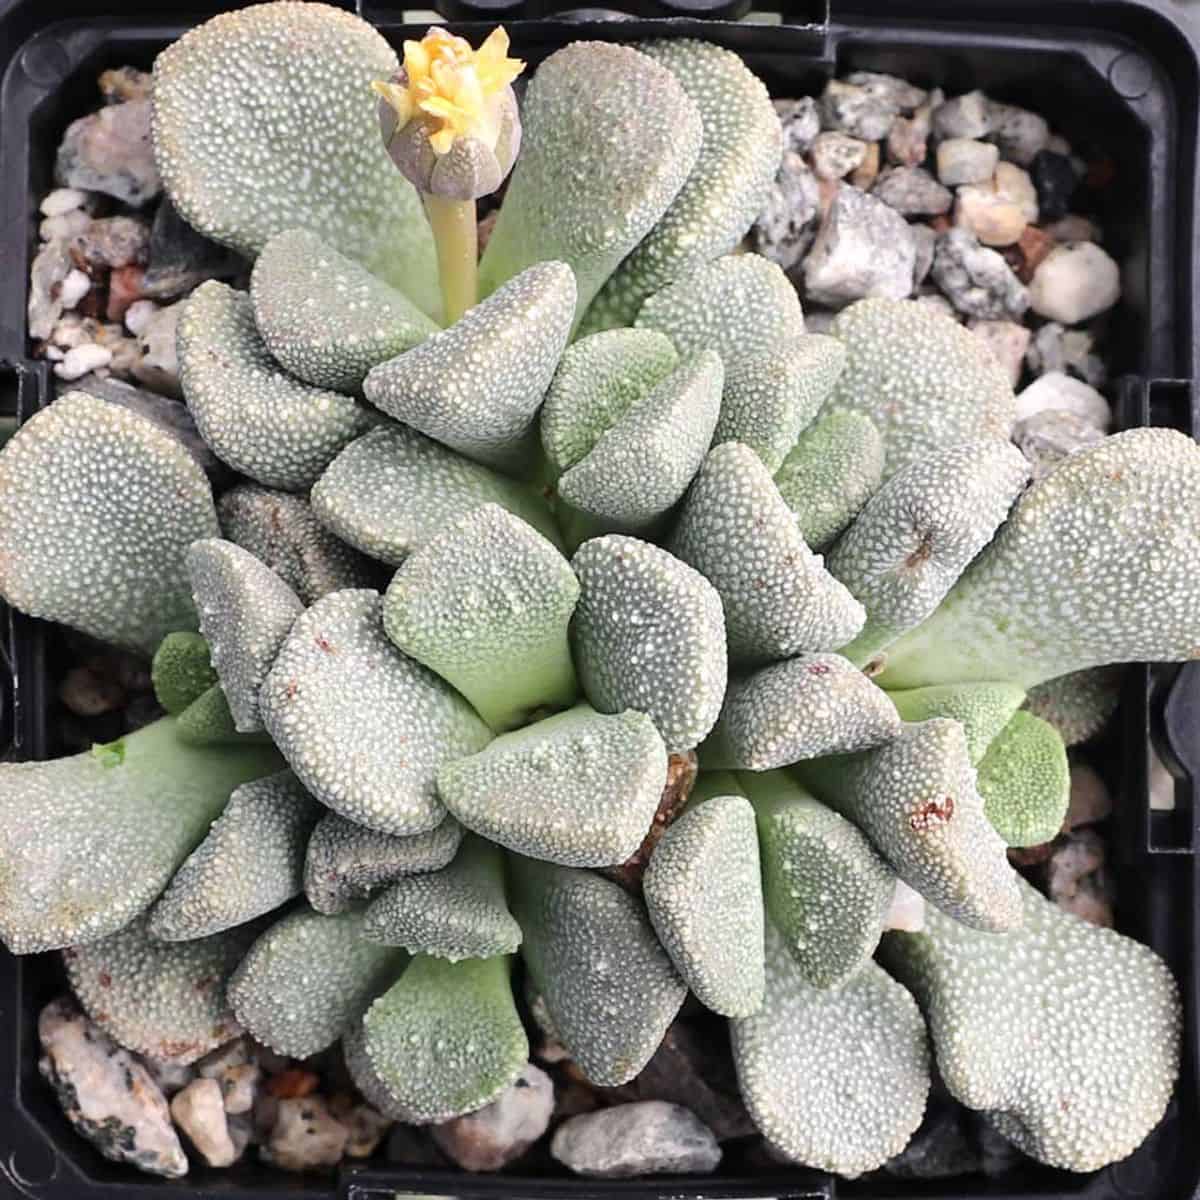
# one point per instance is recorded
(452, 85)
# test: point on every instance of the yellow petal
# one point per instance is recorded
(396, 97)
(442, 141)
(416, 61)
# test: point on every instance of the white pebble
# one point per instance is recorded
(79, 361)
(1056, 390)
(1013, 183)
(139, 314)
(62, 200)
(966, 160)
(906, 910)
(65, 225)
(199, 1112)
(74, 288)
(994, 219)
(1074, 283)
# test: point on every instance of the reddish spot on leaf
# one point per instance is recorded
(932, 813)
(202, 985)
(105, 979)
(324, 643)
(818, 668)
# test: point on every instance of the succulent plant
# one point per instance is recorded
(299, 69)
(1077, 1095)
(163, 1000)
(491, 747)
(835, 1078)
(346, 862)
(123, 579)
(578, 193)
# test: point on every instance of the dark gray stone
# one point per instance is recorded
(181, 259)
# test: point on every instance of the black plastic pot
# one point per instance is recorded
(1119, 78)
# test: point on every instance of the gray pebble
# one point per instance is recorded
(158, 368)
(976, 280)
(106, 1093)
(924, 240)
(114, 242)
(180, 259)
(863, 248)
(110, 151)
(908, 140)
(50, 268)
(912, 192)
(1056, 348)
(1048, 437)
(650, 1137)
(898, 92)
(861, 112)
(834, 155)
(1074, 283)
(966, 116)
(788, 222)
(1019, 133)
(801, 122)
(306, 1136)
(500, 1132)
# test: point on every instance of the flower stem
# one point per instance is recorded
(454, 234)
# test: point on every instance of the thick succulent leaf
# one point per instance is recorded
(916, 799)
(640, 467)
(1097, 564)
(738, 305)
(326, 318)
(97, 508)
(308, 978)
(924, 380)
(446, 1039)
(163, 1000)
(208, 721)
(264, 120)
(594, 174)
(279, 529)
(982, 709)
(88, 842)
(834, 468)
(455, 913)
(770, 397)
(835, 1079)
(260, 421)
(804, 707)
(477, 386)
(391, 491)
(1025, 781)
(181, 670)
(580, 788)
(919, 532)
(486, 604)
(726, 190)
(246, 611)
(347, 862)
(1080, 704)
(736, 531)
(363, 726)
(251, 862)
(703, 893)
(608, 985)
(827, 890)
(599, 379)
(1067, 1035)
(649, 634)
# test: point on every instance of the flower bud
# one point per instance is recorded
(449, 118)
